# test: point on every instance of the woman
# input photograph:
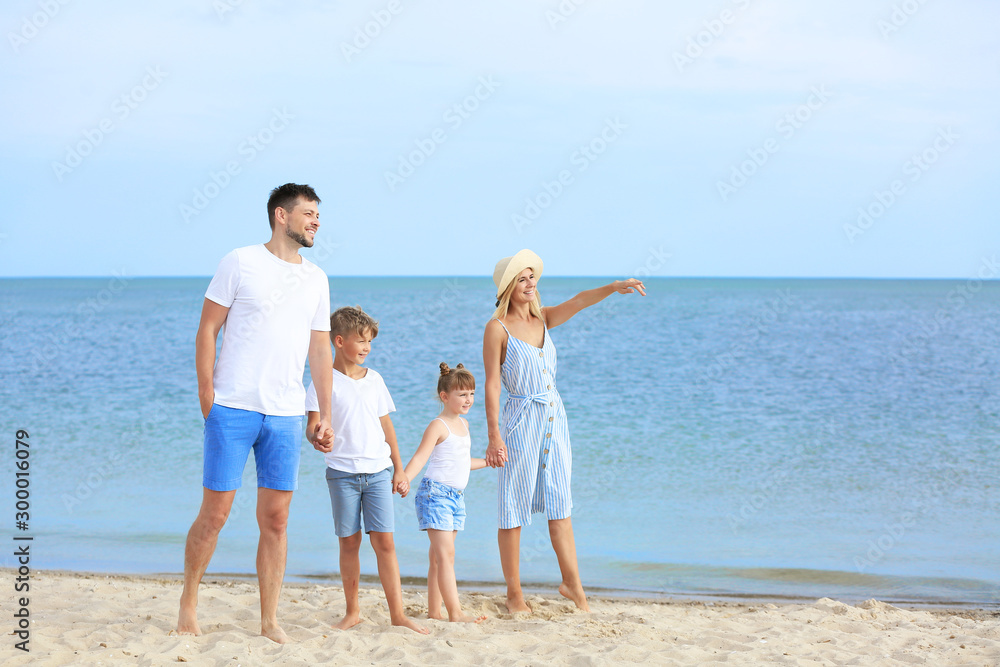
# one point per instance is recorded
(529, 442)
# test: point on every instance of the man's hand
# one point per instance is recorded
(400, 484)
(321, 437)
(206, 400)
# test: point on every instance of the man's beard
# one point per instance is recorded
(301, 239)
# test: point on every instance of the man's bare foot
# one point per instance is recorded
(407, 622)
(187, 622)
(275, 634)
(349, 621)
(576, 595)
(517, 604)
(464, 618)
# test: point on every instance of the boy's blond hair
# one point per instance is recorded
(352, 319)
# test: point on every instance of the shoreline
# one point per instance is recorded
(413, 583)
(101, 618)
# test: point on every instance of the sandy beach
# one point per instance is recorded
(96, 619)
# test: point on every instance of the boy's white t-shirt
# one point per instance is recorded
(359, 445)
(274, 306)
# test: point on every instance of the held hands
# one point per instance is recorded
(400, 484)
(629, 286)
(496, 453)
(321, 437)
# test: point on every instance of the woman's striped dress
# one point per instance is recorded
(536, 476)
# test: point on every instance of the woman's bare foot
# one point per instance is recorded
(187, 623)
(517, 604)
(275, 634)
(436, 615)
(349, 621)
(576, 595)
(407, 622)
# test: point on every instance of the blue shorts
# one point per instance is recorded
(231, 433)
(353, 494)
(439, 506)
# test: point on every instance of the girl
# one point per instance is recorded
(440, 497)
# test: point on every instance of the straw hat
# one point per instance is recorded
(508, 268)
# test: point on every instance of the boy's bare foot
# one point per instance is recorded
(187, 622)
(275, 634)
(464, 618)
(576, 595)
(517, 604)
(407, 622)
(349, 621)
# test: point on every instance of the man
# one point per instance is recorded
(273, 307)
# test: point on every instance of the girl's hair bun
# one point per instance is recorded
(455, 378)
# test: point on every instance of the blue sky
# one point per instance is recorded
(726, 138)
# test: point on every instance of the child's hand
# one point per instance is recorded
(322, 437)
(400, 484)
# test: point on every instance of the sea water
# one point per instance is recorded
(767, 438)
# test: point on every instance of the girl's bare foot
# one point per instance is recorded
(517, 604)
(463, 618)
(349, 621)
(576, 595)
(407, 622)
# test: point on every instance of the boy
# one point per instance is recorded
(364, 468)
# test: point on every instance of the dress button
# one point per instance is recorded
(541, 354)
(546, 451)
(548, 435)
(545, 370)
(543, 465)
(552, 404)
(551, 418)
(549, 387)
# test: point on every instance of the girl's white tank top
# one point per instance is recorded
(451, 460)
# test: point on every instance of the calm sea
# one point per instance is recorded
(776, 438)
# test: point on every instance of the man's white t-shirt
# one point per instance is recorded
(273, 308)
(359, 444)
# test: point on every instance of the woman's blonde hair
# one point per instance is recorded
(503, 303)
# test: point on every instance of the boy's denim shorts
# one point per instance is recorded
(439, 506)
(355, 494)
(231, 433)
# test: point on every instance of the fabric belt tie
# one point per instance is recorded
(519, 412)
